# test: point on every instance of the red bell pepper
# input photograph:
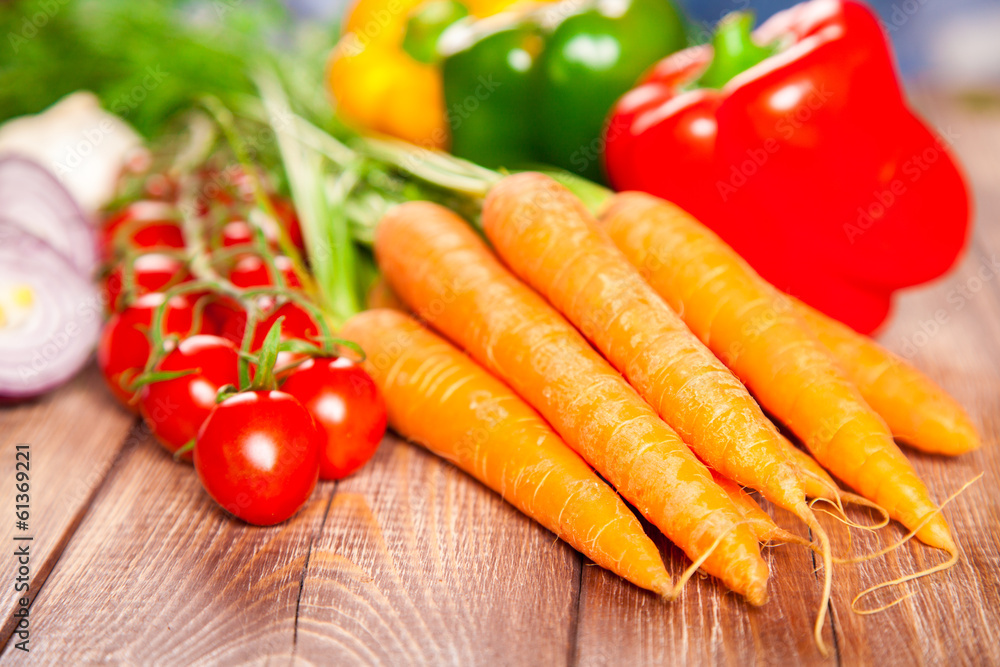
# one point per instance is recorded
(796, 145)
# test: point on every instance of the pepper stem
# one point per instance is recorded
(425, 26)
(735, 51)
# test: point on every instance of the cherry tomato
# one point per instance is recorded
(157, 235)
(236, 233)
(143, 224)
(150, 272)
(144, 209)
(258, 456)
(288, 219)
(124, 345)
(253, 271)
(297, 325)
(227, 318)
(346, 402)
(175, 409)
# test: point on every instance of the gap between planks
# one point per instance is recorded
(305, 569)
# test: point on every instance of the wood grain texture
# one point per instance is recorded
(158, 574)
(708, 625)
(420, 564)
(67, 464)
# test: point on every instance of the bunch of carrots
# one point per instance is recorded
(584, 365)
(578, 362)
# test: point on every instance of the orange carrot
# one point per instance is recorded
(439, 398)
(754, 329)
(444, 272)
(919, 412)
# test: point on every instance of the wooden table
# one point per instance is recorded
(412, 561)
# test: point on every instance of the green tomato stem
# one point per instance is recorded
(264, 379)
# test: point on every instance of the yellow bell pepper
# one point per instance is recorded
(376, 85)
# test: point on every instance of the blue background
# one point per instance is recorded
(954, 43)
(930, 37)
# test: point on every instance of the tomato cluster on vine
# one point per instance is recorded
(215, 340)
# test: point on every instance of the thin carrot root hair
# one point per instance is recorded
(953, 559)
(783, 537)
(820, 545)
(674, 591)
(826, 551)
(916, 529)
(841, 514)
(861, 501)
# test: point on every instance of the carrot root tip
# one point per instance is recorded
(951, 549)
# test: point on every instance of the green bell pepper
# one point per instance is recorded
(488, 91)
(553, 86)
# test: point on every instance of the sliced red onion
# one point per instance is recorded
(50, 315)
(33, 199)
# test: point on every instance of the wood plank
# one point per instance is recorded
(952, 617)
(157, 573)
(75, 433)
(418, 563)
(622, 625)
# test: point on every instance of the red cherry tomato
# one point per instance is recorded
(124, 345)
(227, 318)
(236, 233)
(252, 271)
(288, 219)
(143, 224)
(144, 209)
(346, 402)
(297, 325)
(150, 273)
(157, 235)
(175, 409)
(258, 456)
